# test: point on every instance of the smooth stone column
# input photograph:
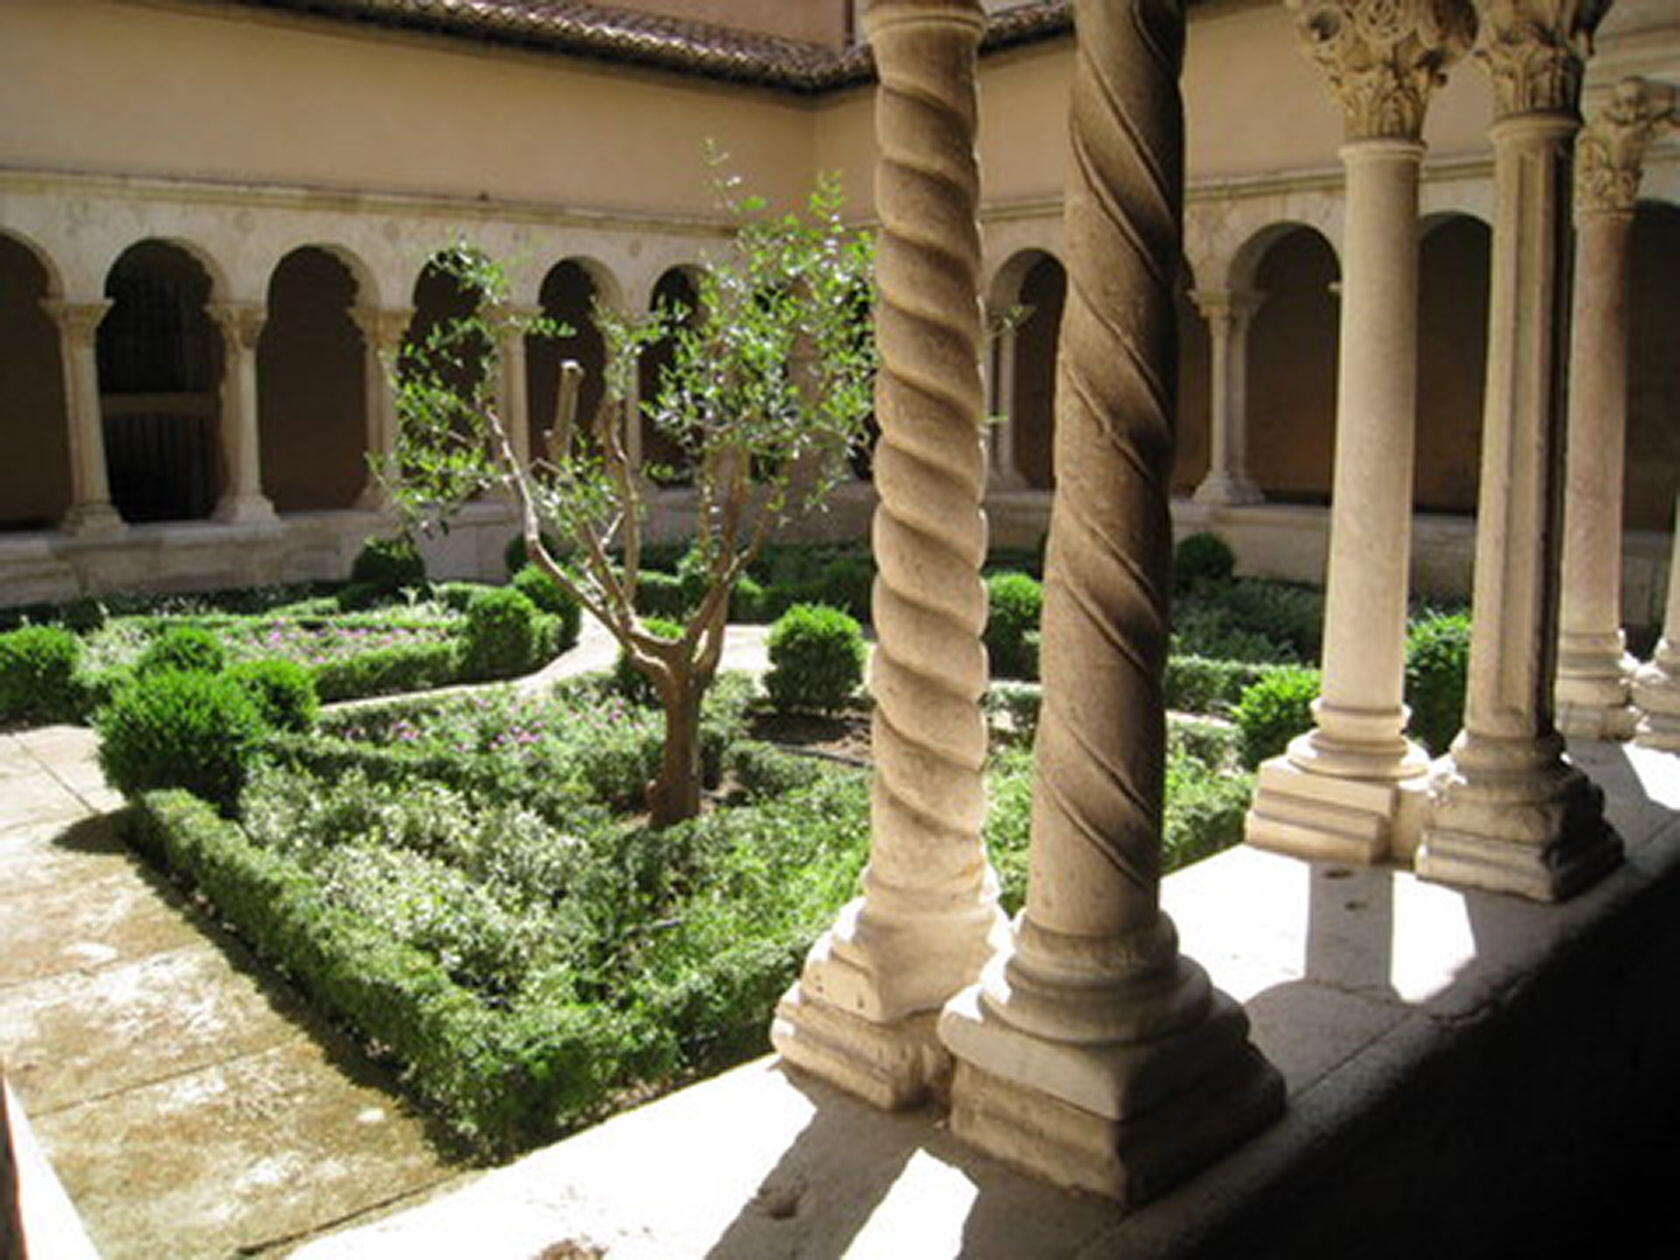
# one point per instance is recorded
(91, 512)
(242, 500)
(1003, 471)
(382, 337)
(1091, 1052)
(862, 1014)
(1656, 687)
(1229, 313)
(512, 396)
(1508, 812)
(1352, 788)
(1594, 669)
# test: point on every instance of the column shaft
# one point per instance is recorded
(862, 1014)
(1228, 315)
(1091, 1052)
(1656, 687)
(242, 498)
(91, 511)
(1507, 811)
(382, 336)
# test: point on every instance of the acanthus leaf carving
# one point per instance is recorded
(1610, 151)
(1535, 52)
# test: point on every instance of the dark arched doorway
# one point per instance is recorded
(35, 488)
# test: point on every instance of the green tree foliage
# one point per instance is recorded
(767, 392)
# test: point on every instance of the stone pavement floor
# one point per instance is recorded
(189, 1103)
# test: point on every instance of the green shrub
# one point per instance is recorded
(816, 659)
(547, 594)
(388, 565)
(763, 772)
(1013, 709)
(500, 638)
(629, 681)
(283, 690)
(848, 583)
(411, 667)
(38, 679)
(1275, 710)
(1014, 604)
(184, 648)
(1437, 664)
(180, 729)
(662, 595)
(1196, 684)
(1202, 558)
(747, 602)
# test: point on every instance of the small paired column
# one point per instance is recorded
(512, 392)
(91, 512)
(863, 1011)
(1507, 811)
(1092, 1052)
(242, 500)
(1656, 687)
(1003, 471)
(382, 337)
(1229, 313)
(1352, 788)
(1594, 670)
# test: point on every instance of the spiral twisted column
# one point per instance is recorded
(1507, 811)
(1594, 669)
(1091, 1052)
(862, 1014)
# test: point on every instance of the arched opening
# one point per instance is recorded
(461, 363)
(35, 488)
(662, 457)
(1192, 442)
(1452, 362)
(1292, 348)
(567, 295)
(1032, 403)
(160, 372)
(1653, 413)
(311, 386)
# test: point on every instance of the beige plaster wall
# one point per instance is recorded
(93, 85)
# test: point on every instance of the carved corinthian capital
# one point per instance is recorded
(1610, 151)
(1383, 57)
(1536, 51)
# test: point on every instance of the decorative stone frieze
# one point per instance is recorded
(1535, 51)
(1385, 57)
(862, 1014)
(1091, 1052)
(91, 511)
(1594, 669)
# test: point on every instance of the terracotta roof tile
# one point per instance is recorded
(611, 33)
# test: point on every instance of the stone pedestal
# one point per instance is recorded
(1091, 1053)
(1228, 314)
(1508, 812)
(242, 501)
(91, 513)
(862, 1013)
(1351, 789)
(1594, 669)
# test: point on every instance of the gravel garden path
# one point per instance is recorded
(189, 1104)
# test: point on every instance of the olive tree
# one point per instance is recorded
(766, 393)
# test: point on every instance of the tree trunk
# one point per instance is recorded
(675, 794)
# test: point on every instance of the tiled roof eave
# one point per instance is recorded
(601, 32)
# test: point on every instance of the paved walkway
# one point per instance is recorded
(188, 1102)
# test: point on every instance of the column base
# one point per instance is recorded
(92, 520)
(1330, 817)
(1514, 816)
(862, 1013)
(1166, 1107)
(1656, 695)
(890, 1066)
(252, 509)
(1226, 490)
(1591, 694)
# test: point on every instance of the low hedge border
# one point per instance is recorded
(500, 1077)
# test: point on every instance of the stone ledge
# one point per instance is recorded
(1454, 1060)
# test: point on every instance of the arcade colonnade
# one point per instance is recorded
(1077, 1042)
